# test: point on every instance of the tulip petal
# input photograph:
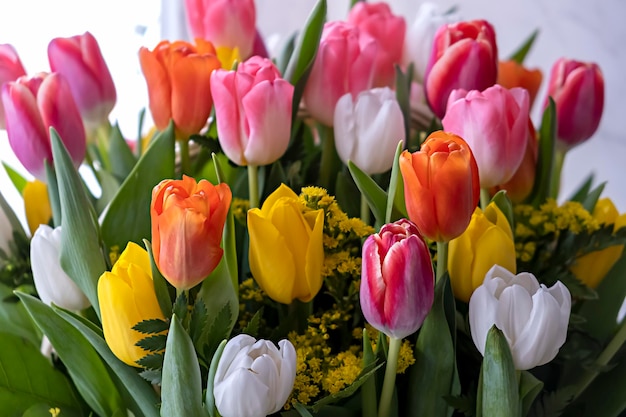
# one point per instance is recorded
(482, 315)
(160, 91)
(314, 260)
(287, 375)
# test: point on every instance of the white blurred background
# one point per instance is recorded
(587, 30)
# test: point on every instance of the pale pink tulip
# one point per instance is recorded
(11, 69)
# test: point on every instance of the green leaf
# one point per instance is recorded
(590, 200)
(181, 304)
(403, 95)
(209, 401)
(529, 388)
(109, 186)
(369, 394)
(181, 389)
(160, 284)
(13, 220)
(396, 185)
(198, 321)
(282, 60)
(545, 159)
(154, 343)
(252, 328)
(220, 328)
(151, 326)
(581, 193)
(16, 178)
(502, 200)
(14, 318)
(302, 410)
(376, 197)
(81, 254)
(122, 158)
(53, 194)
(519, 55)
(152, 361)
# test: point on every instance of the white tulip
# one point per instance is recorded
(368, 129)
(52, 283)
(254, 378)
(533, 318)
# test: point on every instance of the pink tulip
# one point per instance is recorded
(32, 106)
(376, 20)
(80, 61)
(225, 23)
(578, 92)
(494, 123)
(11, 69)
(253, 110)
(345, 63)
(464, 55)
(397, 280)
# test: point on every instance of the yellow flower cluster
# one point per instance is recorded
(405, 357)
(239, 207)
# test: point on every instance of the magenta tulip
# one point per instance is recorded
(494, 123)
(253, 111)
(32, 106)
(11, 69)
(397, 280)
(577, 89)
(464, 55)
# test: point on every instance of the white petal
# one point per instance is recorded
(242, 394)
(514, 309)
(482, 315)
(232, 349)
(345, 128)
(287, 374)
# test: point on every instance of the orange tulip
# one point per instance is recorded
(187, 223)
(512, 74)
(441, 186)
(178, 76)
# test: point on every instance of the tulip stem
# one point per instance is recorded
(485, 198)
(253, 185)
(185, 162)
(555, 180)
(389, 383)
(365, 210)
(442, 259)
(329, 165)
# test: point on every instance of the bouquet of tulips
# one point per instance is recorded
(366, 224)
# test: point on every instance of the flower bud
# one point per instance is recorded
(11, 69)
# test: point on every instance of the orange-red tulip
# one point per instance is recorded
(187, 223)
(441, 186)
(511, 74)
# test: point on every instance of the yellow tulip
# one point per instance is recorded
(487, 241)
(36, 204)
(592, 267)
(286, 250)
(126, 296)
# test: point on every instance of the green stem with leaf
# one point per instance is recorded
(389, 383)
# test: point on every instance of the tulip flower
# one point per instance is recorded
(441, 186)
(494, 123)
(512, 74)
(31, 107)
(52, 283)
(533, 318)
(464, 56)
(373, 121)
(187, 224)
(80, 61)
(488, 240)
(253, 111)
(178, 75)
(577, 89)
(36, 204)
(228, 23)
(345, 63)
(592, 267)
(126, 296)
(254, 378)
(397, 279)
(286, 242)
(11, 69)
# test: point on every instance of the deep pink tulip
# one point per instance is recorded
(253, 111)
(80, 61)
(345, 63)
(33, 105)
(494, 123)
(578, 92)
(464, 55)
(225, 23)
(397, 280)
(11, 69)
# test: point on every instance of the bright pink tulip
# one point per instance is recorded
(578, 92)
(225, 23)
(397, 280)
(464, 55)
(345, 63)
(377, 21)
(253, 111)
(11, 69)
(80, 61)
(33, 105)
(494, 123)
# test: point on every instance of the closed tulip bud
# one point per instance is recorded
(126, 296)
(464, 56)
(488, 240)
(345, 63)
(494, 123)
(373, 120)
(441, 186)
(80, 61)
(533, 318)
(397, 279)
(31, 107)
(286, 242)
(36, 204)
(253, 112)
(592, 267)
(512, 74)
(178, 76)
(254, 378)
(577, 89)
(52, 283)
(11, 69)
(225, 23)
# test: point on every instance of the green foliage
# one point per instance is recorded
(519, 55)
(151, 326)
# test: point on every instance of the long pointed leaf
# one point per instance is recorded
(376, 197)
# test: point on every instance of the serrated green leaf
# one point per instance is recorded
(252, 328)
(151, 326)
(122, 158)
(16, 178)
(153, 376)
(153, 343)
(519, 55)
(220, 328)
(209, 400)
(180, 308)
(151, 361)
(198, 321)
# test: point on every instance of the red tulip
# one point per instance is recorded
(11, 69)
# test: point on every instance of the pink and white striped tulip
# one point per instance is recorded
(397, 279)
(11, 69)
(494, 123)
(253, 110)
